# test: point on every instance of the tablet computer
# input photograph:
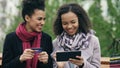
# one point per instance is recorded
(64, 56)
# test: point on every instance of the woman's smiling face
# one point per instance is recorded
(36, 21)
(70, 22)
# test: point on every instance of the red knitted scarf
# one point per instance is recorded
(26, 37)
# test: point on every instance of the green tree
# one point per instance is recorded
(105, 30)
(113, 12)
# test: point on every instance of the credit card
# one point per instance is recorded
(37, 50)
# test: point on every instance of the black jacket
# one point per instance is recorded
(13, 49)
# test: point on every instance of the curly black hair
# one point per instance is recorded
(28, 6)
(84, 21)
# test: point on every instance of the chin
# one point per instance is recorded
(38, 31)
(71, 33)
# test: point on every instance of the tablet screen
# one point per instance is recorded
(64, 56)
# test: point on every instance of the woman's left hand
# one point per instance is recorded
(79, 61)
(43, 57)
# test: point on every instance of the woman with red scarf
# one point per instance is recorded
(19, 46)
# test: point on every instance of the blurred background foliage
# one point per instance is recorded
(107, 28)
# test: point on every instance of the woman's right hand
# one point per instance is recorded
(27, 54)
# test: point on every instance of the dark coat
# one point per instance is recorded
(13, 49)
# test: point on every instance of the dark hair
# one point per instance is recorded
(28, 6)
(84, 22)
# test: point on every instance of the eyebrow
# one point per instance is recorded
(40, 17)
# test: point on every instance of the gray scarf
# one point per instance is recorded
(76, 42)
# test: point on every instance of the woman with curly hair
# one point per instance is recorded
(74, 33)
(22, 48)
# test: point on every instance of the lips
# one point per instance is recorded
(39, 26)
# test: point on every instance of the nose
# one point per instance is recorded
(42, 22)
(69, 25)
